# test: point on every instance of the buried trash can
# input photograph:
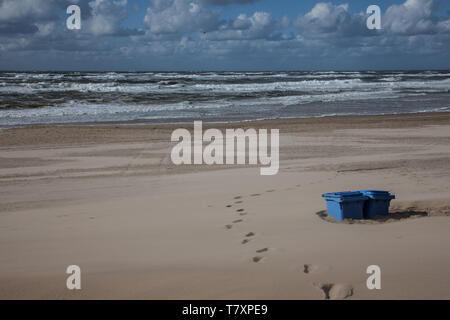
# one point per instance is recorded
(377, 203)
(348, 204)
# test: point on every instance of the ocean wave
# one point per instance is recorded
(66, 97)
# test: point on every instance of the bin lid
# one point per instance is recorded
(344, 194)
(375, 192)
(379, 194)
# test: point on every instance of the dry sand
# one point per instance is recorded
(108, 199)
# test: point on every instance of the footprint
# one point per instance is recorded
(271, 190)
(306, 268)
(237, 202)
(257, 259)
(255, 195)
(262, 250)
(229, 205)
(310, 268)
(237, 221)
(335, 291)
(250, 234)
(229, 226)
(237, 197)
(240, 210)
(245, 241)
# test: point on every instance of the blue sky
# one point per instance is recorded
(224, 35)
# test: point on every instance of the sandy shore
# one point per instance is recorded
(108, 198)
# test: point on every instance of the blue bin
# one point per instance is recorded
(341, 205)
(377, 203)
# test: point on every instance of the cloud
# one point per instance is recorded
(174, 19)
(415, 17)
(106, 17)
(327, 19)
(260, 25)
(444, 26)
(227, 2)
(180, 16)
(20, 16)
(20, 10)
(101, 17)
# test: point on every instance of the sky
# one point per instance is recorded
(202, 35)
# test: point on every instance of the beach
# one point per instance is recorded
(107, 198)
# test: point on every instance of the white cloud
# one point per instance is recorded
(15, 10)
(260, 25)
(22, 16)
(444, 26)
(106, 16)
(226, 2)
(411, 17)
(327, 19)
(100, 17)
(241, 22)
(180, 16)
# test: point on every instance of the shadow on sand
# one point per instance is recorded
(392, 217)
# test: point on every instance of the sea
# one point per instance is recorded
(42, 98)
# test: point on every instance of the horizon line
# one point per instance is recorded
(212, 70)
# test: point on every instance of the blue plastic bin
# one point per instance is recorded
(341, 205)
(377, 203)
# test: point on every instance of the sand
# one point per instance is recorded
(108, 199)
